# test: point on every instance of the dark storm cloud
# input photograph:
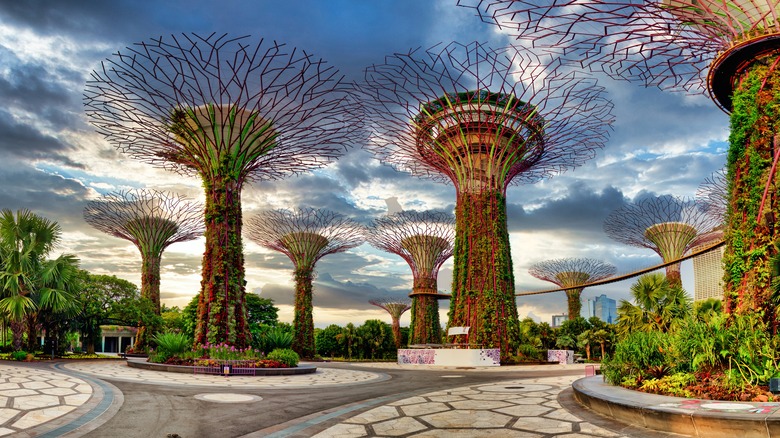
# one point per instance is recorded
(27, 142)
(53, 196)
(582, 209)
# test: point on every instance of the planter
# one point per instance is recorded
(219, 370)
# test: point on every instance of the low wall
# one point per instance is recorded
(459, 357)
(300, 369)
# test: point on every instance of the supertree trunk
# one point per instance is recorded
(574, 301)
(303, 321)
(425, 327)
(221, 306)
(396, 326)
(751, 232)
(150, 278)
(483, 291)
(673, 275)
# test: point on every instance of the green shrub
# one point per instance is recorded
(285, 356)
(173, 344)
(277, 338)
(638, 353)
(19, 355)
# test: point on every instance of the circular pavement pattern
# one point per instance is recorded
(228, 397)
(323, 377)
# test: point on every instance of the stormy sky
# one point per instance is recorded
(53, 161)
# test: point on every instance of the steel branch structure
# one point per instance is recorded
(305, 236)
(152, 220)
(229, 110)
(668, 225)
(712, 194)
(482, 119)
(395, 308)
(573, 274)
(729, 48)
(425, 241)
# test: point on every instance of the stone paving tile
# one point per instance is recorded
(514, 408)
(118, 370)
(33, 396)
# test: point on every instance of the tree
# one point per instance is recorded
(152, 220)
(261, 311)
(395, 308)
(656, 305)
(377, 338)
(327, 341)
(305, 236)
(482, 119)
(572, 273)
(100, 299)
(32, 285)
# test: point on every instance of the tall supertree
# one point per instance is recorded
(425, 241)
(482, 119)
(729, 48)
(152, 220)
(668, 225)
(395, 308)
(305, 236)
(228, 110)
(571, 273)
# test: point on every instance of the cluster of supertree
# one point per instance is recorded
(229, 111)
(730, 49)
(572, 274)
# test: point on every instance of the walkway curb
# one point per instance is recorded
(691, 417)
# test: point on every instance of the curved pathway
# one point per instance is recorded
(340, 400)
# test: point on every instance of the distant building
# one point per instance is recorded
(708, 270)
(605, 309)
(557, 320)
(589, 309)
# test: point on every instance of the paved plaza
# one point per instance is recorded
(108, 398)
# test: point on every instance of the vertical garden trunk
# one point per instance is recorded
(425, 327)
(574, 302)
(221, 305)
(750, 233)
(396, 332)
(673, 275)
(303, 321)
(483, 290)
(150, 288)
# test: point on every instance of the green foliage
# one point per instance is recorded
(656, 305)
(327, 341)
(19, 355)
(172, 343)
(277, 338)
(637, 353)
(260, 311)
(285, 356)
(527, 352)
(376, 338)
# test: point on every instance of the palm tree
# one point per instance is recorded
(705, 310)
(29, 283)
(657, 305)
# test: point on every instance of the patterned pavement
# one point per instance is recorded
(513, 408)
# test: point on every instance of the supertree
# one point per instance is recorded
(395, 308)
(305, 236)
(571, 273)
(729, 48)
(483, 119)
(668, 225)
(152, 220)
(425, 241)
(229, 110)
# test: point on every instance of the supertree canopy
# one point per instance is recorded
(668, 225)
(729, 48)
(571, 273)
(305, 236)
(151, 220)
(395, 308)
(228, 110)
(712, 194)
(425, 241)
(482, 119)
